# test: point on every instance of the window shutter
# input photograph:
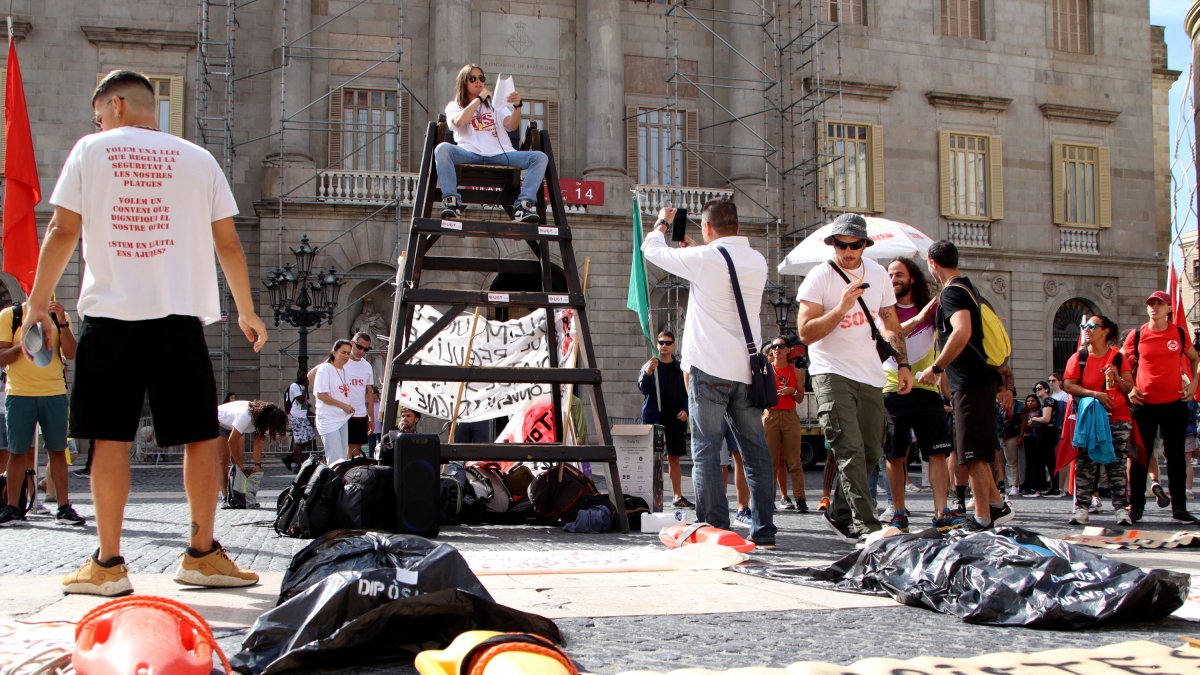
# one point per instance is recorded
(552, 127)
(175, 124)
(1056, 170)
(944, 176)
(1104, 189)
(822, 170)
(876, 144)
(995, 178)
(3, 131)
(405, 130)
(335, 128)
(631, 143)
(691, 131)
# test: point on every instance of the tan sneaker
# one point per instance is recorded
(214, 569)
(94, 578)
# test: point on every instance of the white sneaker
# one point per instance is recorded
(1014, 491)
(39, 509)
(1094, 507)
(888, 512)
(1080, 517)
(1123, 517)
(912, 488)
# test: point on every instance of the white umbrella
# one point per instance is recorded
(891, 239)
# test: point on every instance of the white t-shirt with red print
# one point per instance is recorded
(849, 350)
(330, 380)
(484, 133)
(148, 200)
(358, 375)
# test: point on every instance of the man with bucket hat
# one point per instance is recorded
(840, 303)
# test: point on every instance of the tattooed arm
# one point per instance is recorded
(890, 330)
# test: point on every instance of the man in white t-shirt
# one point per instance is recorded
(481, 137)
(847, 376)
(152, 209)
(359, 376)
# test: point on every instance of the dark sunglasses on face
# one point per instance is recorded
(477, 78)
(776, 346)
(666, 342)
(1039, 388)
(361, 348)
(1091, 326)
(852, 245)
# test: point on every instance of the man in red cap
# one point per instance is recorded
(1160, 396)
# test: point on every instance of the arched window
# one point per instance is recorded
(1066, 329)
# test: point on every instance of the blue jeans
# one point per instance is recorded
(447, 155)
(710, 400)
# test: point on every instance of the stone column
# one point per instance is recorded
(605, 87)
(451, 45)
(744, 65)
(291, 153)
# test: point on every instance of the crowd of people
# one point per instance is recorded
(1088, 433)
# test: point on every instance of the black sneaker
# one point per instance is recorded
(841, 533)
(287, 462)
(67, 516)
(525, 211)
(1135, 514)
(1184, 517)
(960, 506)
(1160, 495)
(452, 208)
(973, 525)
(949, 520)
(682, 503)
(801, 505)
(9, 516)
(82, 473)
(1001, 515)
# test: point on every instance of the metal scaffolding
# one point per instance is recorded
(219, 71)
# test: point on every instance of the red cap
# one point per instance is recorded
(1160, 296)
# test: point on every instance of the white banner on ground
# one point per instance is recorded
(519, 343)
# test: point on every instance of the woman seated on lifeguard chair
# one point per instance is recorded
(481, 135)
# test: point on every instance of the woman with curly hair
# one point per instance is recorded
(261, 419)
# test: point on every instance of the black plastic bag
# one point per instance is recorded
(439, 565)
(354, 597)
(1003, 577)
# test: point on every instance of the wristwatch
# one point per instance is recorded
(937, 370)
(662, 222)
(518, 105)
(903, 365)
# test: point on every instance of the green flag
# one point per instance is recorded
(639, 298)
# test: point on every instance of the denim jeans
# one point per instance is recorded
(447, 155)
(710, 400)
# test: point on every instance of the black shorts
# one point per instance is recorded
(975, 424)
(356, 431)
(918, 412)
(676, 433)
(120, 363)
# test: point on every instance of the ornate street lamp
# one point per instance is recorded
(783, 305)
(302, 297)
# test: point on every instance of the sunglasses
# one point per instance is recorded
(666, 342)
(361, 348)
(770, 347)
(477, 78)
(1092, 326)
(1039, 389)
(852, 245)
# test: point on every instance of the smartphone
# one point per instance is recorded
(864, 285)
(679, 225)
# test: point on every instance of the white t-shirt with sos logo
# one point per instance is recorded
(148, 201)
(484, 133)
(848, 350)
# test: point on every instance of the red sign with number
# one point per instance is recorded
(587, 192)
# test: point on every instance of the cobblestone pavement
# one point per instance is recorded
(154, 538)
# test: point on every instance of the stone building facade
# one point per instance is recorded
(1031, 132)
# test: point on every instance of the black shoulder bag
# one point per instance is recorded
(882, 347)
(763, 392)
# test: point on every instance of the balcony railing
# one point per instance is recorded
(969, 233)
(654, 197)
(1079, 240)
(375, 188)
(366, 187)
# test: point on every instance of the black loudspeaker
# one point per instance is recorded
(416, 461)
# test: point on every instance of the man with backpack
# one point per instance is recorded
(1160, 396)
(37, 395)
(973, 380)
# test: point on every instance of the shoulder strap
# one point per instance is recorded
(751, 348)
(1137, 344)
(1083, 357)
(875, 335)
(17, 312)
(969, 293)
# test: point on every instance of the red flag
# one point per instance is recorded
(22, 192)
